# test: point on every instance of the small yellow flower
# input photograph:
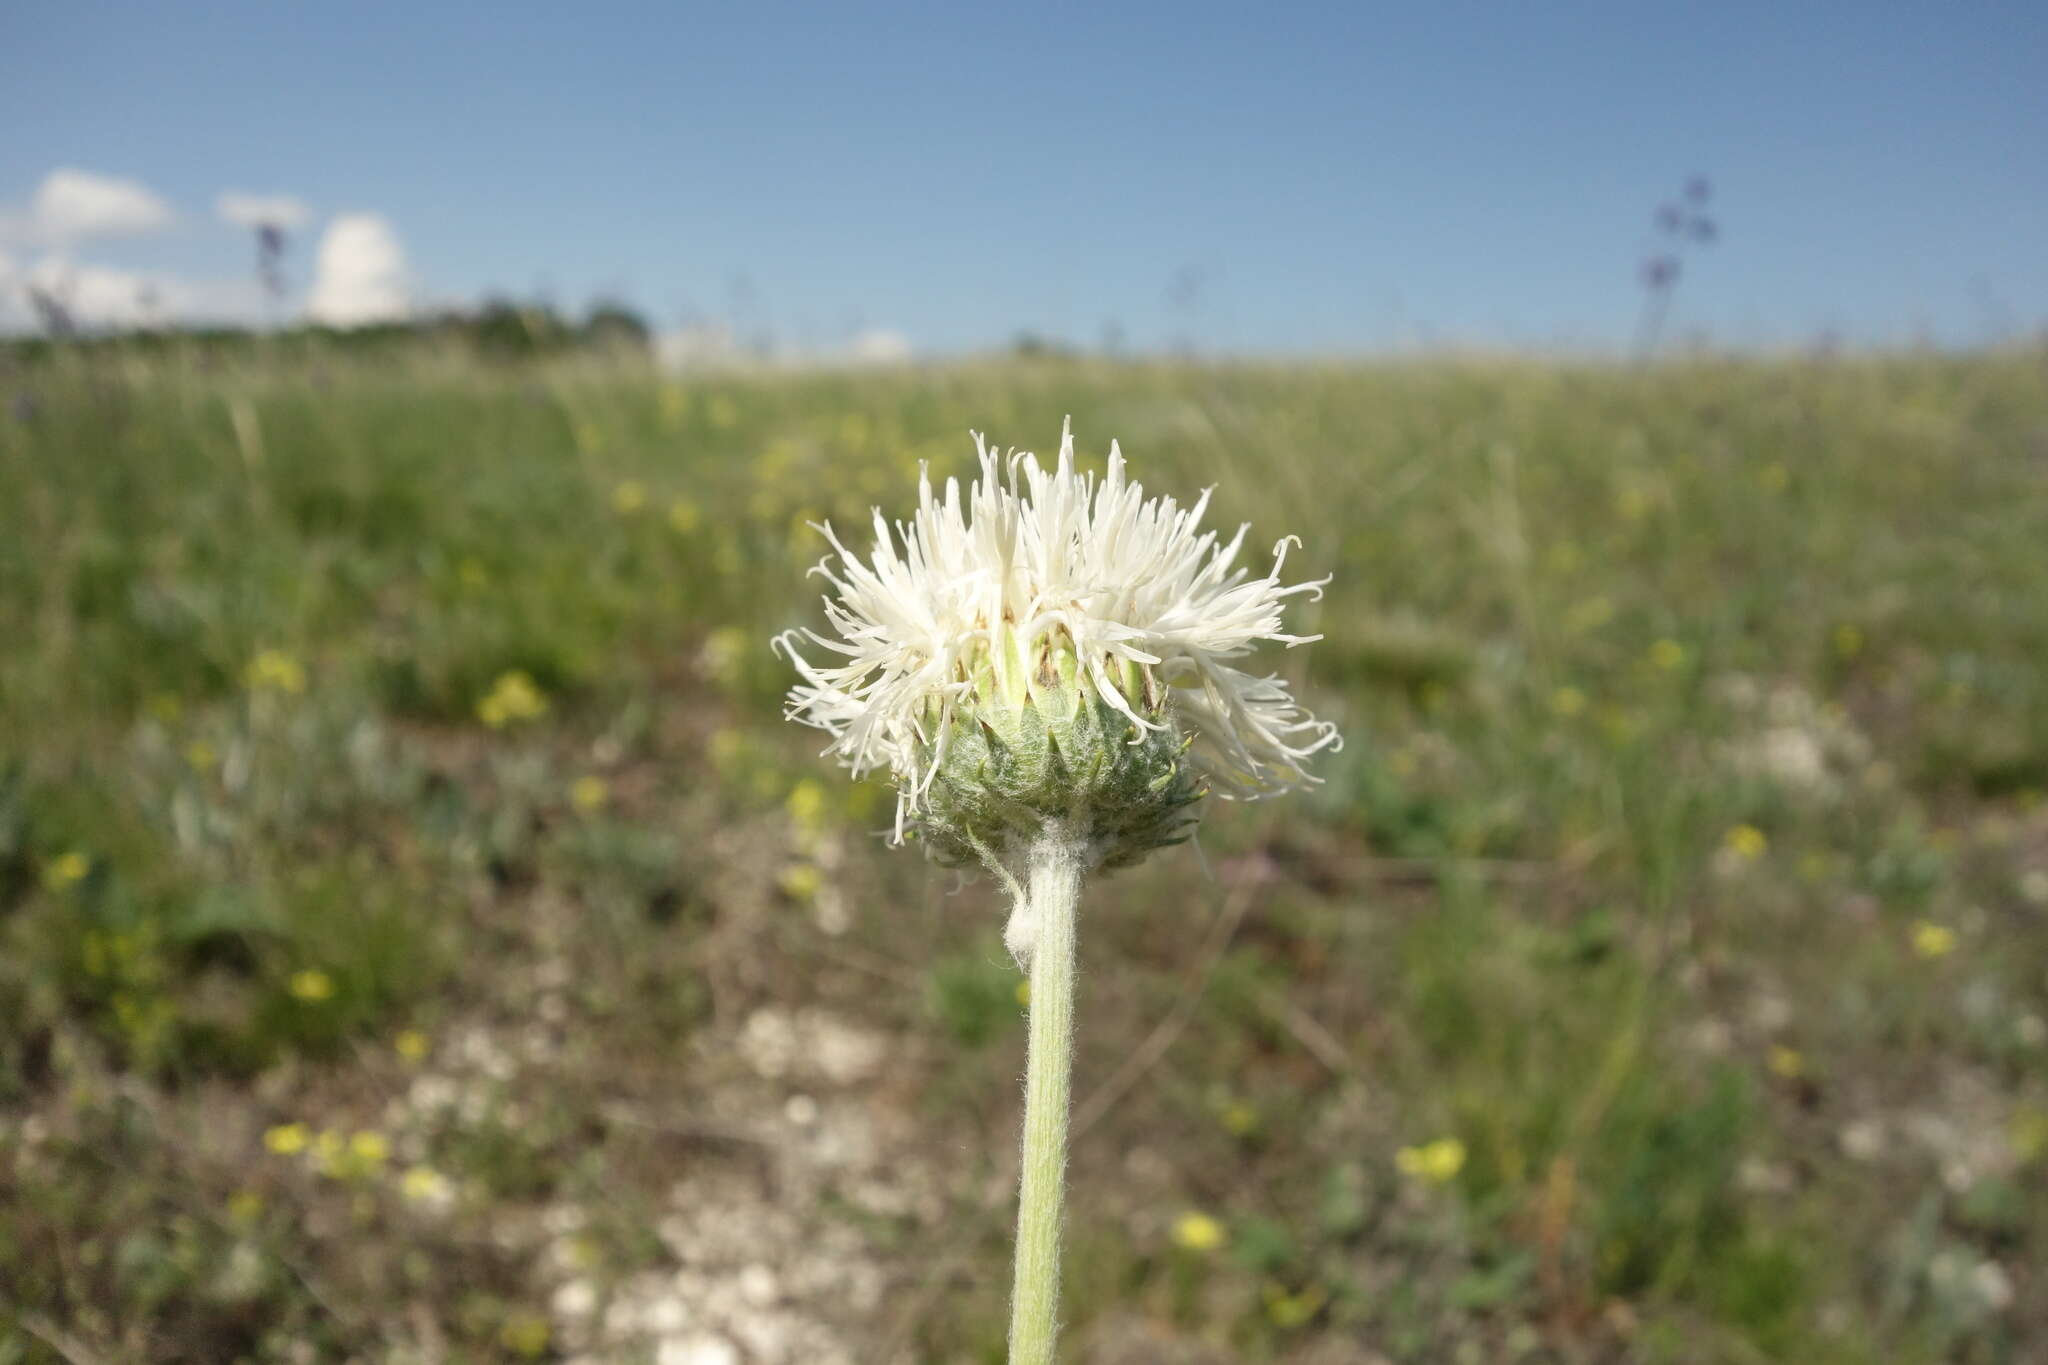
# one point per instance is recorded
(800, 881)
(629, 497)
(1568, 701)
(424, 1185)
(1931, 940)
(287, 1139)
(1199, 1232)
(1786, 1062)
(526, 1334)
(1746, 842)
(273, 670)
(1848, 640)
(66, 870)
(1437, 1163)
(1293, 1310)
(512, 698)
(1667, 655)
(1238, 1118)
(1774, 477)
(684, 516)
(201, 756)
(311, 985)
(369, 1147)
(589, 793)
(245, 1206)
(412, 1045)
(806, 805)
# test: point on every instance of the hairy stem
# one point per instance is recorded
(1053, 885)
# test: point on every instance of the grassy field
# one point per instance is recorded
(421, 938)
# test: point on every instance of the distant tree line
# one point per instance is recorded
(499, 329)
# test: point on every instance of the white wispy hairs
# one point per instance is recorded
(1031, 562)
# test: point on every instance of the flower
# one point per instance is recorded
(311, 985)
(1931, 940)
(1199, 1232)
(1046, 631)
(513, 697)
(66, 870)
(1746, 842)
(1437, 1163)
(286, 1139)
(589, 793)
(274, 670)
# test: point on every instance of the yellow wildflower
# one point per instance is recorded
(1931, 940)
(806, 805)
(411, 1045)
(369, 1147)
(1238, 1118)
(800, 881)
(512, 698)
(245, 1206)
(1199, 1232)
(201, 756)
(526, 1334)
(1436, 1162)
(311, 985)
(424, 1185)
(1667, 654)
(1746, 842)
(684, 516)
(286, 1139)
(66, 870)
(1293, 1310)
(273, 670)
(629, 497)
(589, 793)
(1787, 1062)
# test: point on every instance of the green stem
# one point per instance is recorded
(1053, 883)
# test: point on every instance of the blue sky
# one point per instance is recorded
(1318, 177)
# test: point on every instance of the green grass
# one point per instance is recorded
(412, 904)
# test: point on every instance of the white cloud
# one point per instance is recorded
(878, 346)
(72, 205)
(103, 296)
(100, 297)
(359, 275)
(253, 211)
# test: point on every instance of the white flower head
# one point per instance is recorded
(1064, 592)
